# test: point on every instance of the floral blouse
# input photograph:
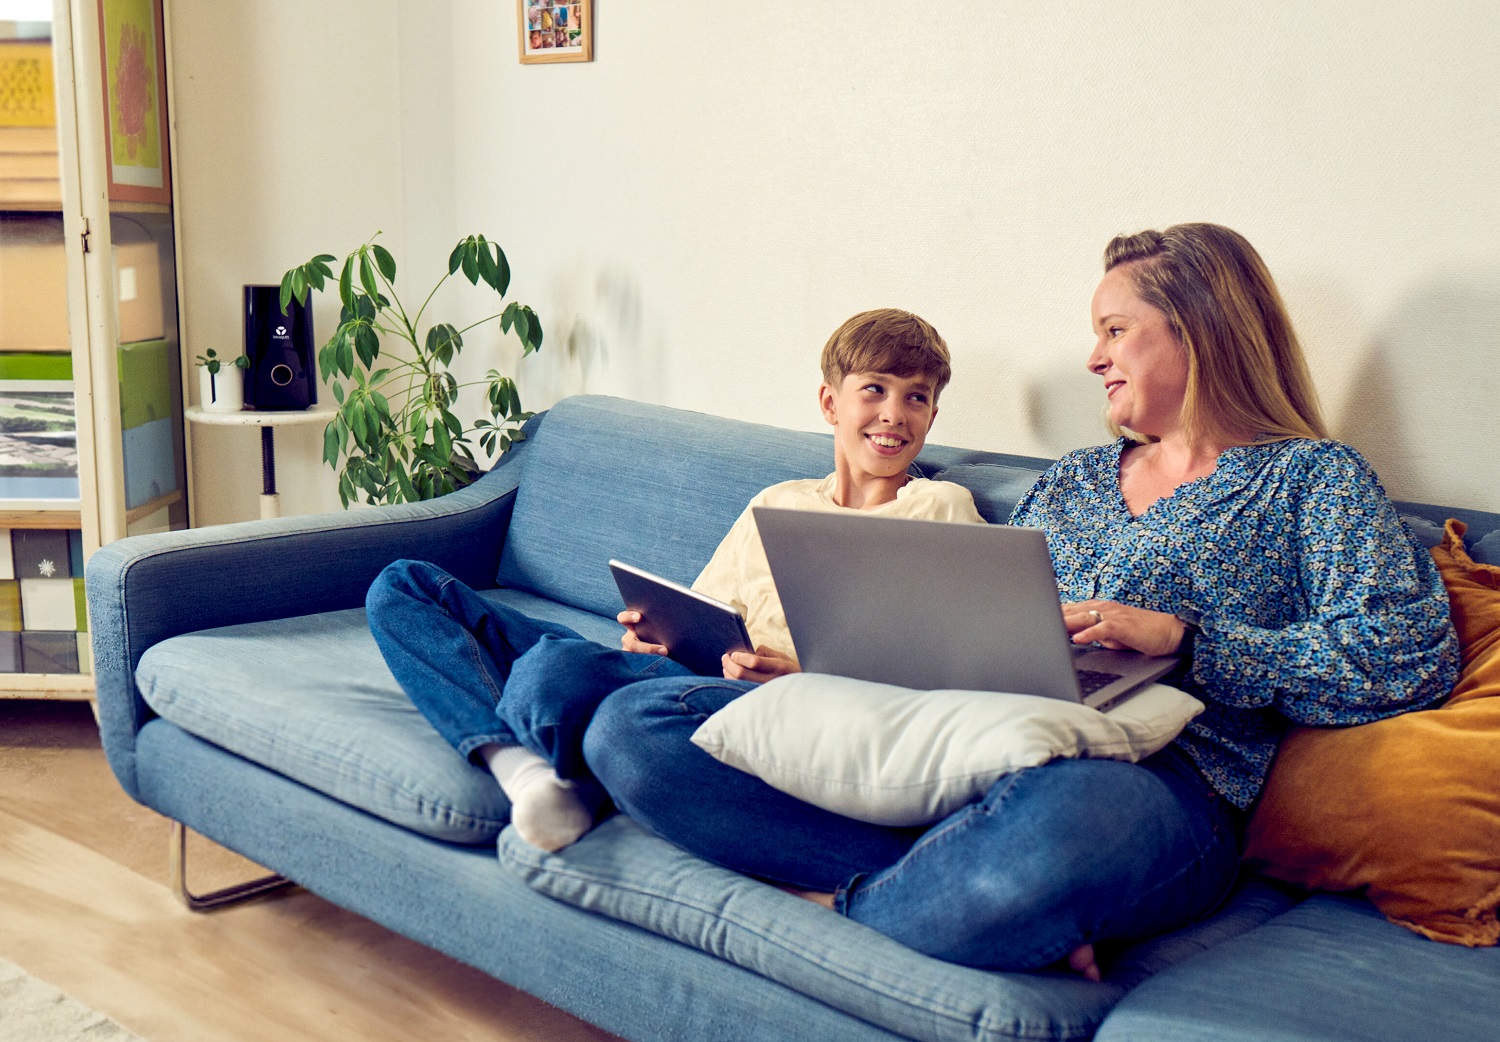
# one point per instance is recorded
(1317, 607)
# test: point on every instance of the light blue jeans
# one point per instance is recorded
(483, 673)
(1052, 857)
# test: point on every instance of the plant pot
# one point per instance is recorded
(223, 391)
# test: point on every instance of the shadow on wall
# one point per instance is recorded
(1065, 411)
(600, 321)
(1424, 407)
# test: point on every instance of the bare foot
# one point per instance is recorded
(817, 897)
(1081, 961)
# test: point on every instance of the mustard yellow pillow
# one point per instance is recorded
(1407, 809)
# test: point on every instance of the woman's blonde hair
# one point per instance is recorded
(1247, 377)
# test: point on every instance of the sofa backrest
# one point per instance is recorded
(659, 487)
(652, 486)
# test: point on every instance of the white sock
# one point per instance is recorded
(545, 810)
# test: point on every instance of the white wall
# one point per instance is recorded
(301, 128)
(693, 212)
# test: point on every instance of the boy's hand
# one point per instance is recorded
(630, 641)
(763, 665)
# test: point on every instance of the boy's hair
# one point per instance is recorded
(887, 340)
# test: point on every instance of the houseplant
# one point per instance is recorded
(396, 436)
(221, 394)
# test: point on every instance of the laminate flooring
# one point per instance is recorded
(84, 905)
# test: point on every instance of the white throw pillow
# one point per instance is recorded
(895, 756)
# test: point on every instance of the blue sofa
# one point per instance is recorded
(240, 693)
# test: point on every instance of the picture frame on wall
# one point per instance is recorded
(555, 30)
(132, 49)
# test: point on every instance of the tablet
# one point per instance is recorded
(696, 629)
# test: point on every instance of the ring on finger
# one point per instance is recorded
(1098, 618)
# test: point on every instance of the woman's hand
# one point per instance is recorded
(1122, 627)
(631, 641)
(765, 664)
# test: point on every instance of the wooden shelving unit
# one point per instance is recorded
(117, 260)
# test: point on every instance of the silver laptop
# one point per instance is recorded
(935, 605)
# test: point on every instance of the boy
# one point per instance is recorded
(518, 693)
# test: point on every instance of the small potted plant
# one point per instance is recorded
(397, 437)
(218, 390)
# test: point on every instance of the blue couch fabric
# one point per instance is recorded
(281, 734)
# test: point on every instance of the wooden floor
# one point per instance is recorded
(84, 905)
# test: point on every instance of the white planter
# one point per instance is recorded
(223, 391)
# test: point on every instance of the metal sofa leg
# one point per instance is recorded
(219, 898)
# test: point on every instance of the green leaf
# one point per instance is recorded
(345, 354)
(403, 482)
(377, 376)
(471, 262)
(456, 258)
(487, 269)
(373, 423)
(331, 444)
(367, 276)
(502, 271)
(346, 287)
(367, 344)
(338, 393)
(535, 325)
(522, 324)
(286, 290)
(356, 418)
(385, 261)
(299, 285)
(382, 406)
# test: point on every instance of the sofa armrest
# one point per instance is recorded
(145, 589)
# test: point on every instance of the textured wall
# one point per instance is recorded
(693, 212)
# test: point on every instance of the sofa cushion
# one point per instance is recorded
(1428, 533)
(897, 756)
(621, 871)
(656, 487)
(1329, 970)
(1406, 808)
(1487, 550)
(312, 699)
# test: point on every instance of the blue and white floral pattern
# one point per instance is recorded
(1316, 605)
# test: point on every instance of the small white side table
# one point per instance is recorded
(267, 421)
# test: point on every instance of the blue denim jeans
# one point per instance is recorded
(1052, 857)
(483, 673)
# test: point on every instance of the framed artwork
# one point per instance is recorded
(132, 47)
(556, 30)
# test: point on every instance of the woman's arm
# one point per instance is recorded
(1377, 640)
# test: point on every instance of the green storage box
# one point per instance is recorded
(145, 383)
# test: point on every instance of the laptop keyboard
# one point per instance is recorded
(1091, 680)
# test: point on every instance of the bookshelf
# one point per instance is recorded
(92, 440)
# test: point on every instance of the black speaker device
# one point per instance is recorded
(283, 373)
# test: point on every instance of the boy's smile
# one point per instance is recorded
(880, 424)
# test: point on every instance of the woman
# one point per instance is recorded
(1221, 523)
